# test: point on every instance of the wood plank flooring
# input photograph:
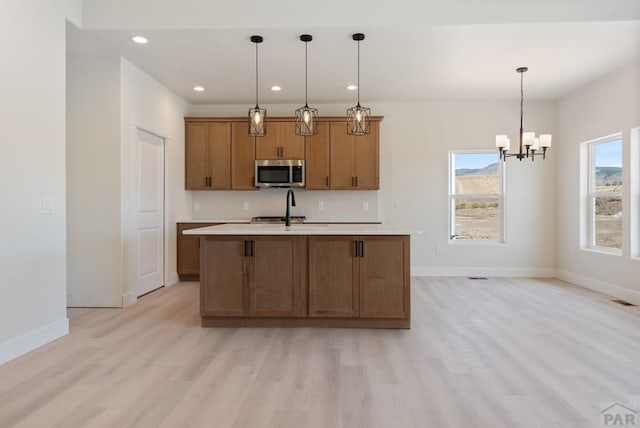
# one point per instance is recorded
(480, 353)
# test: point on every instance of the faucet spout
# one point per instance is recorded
(293, 204)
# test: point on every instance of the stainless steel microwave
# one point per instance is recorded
(279, 173)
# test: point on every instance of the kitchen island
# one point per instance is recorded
(308, 275)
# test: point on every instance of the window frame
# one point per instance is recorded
(592, 194)
(500, 197)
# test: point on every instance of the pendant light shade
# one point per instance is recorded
(257, 115)
(306, 117)
(358, 117)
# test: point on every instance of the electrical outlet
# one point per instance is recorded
(196, 206)
(321, 205)
(245, 205)
(365, 206)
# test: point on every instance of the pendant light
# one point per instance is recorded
(306, 116)
(358, 117)
(529, 145)
(257, 115)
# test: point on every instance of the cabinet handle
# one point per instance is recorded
(251, 247)
(327, 180)
(355, 249)
(361, 248)
(246, 248)
(356, 181)
(352, 182)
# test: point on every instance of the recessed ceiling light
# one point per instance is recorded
(276, 88)
(352, 87)
(140, 39)
(198, 88)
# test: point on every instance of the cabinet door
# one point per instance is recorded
(242, 157)
(366, 159)
(268, 147)
(196, 156)
(219, 155)
(342, 175)
(317, 159)
(333, 276)
(275, 276)
(384, 277)
(291, 145)
(223, 282)
(188, 249)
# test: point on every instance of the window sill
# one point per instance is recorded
(474, 242)
(604, 251)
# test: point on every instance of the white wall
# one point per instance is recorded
(608, 106)
(148, 105)
(32, 167)
(94, 248)
(415, 140)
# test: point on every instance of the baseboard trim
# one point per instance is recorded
(609, 289)
(129, 299)
(483, 271)
(28, 342)
(172, 279)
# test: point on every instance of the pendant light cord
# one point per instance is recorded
(256, 75)
(305, 73)
(358, 72)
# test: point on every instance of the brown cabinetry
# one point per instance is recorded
(208, 155)
(359, 276)
(317, 159)
(257, 276)
(188, 252)
(280, 142)
(242, 157)
(354, 159)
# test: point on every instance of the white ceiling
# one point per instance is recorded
(399, 63)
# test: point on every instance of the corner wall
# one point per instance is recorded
(607, 106)
(32, 168)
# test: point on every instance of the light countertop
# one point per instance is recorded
(307, 221)
(301, 229)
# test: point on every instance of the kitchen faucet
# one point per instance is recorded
(293, 204)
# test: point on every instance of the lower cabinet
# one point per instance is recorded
(188, 249)
(324, 281)
(256, 276)
(359, 276)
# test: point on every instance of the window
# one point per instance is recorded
(476, 196)
(604, 201)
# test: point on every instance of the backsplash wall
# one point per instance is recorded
(338, 205)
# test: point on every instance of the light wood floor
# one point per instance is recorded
(481, 353)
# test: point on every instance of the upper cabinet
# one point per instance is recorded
(354, 159)
(208, 155)
(280, 142)
(220, 153)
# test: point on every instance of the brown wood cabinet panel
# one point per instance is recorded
(275, 276)
(223, 284)
(342, 174)
(219, 156)
(333, 276)
(317, 159)
(366, 159)
(242, 157)
(268, 147)
(188, 251)
(291, 145)
(196, 160)
(384, 282)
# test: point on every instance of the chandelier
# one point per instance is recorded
(530, 145)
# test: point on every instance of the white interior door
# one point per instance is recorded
(149, 213)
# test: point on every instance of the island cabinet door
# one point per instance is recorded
(384, 276)
(277, 265)
(333, 276)
(223, 279)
